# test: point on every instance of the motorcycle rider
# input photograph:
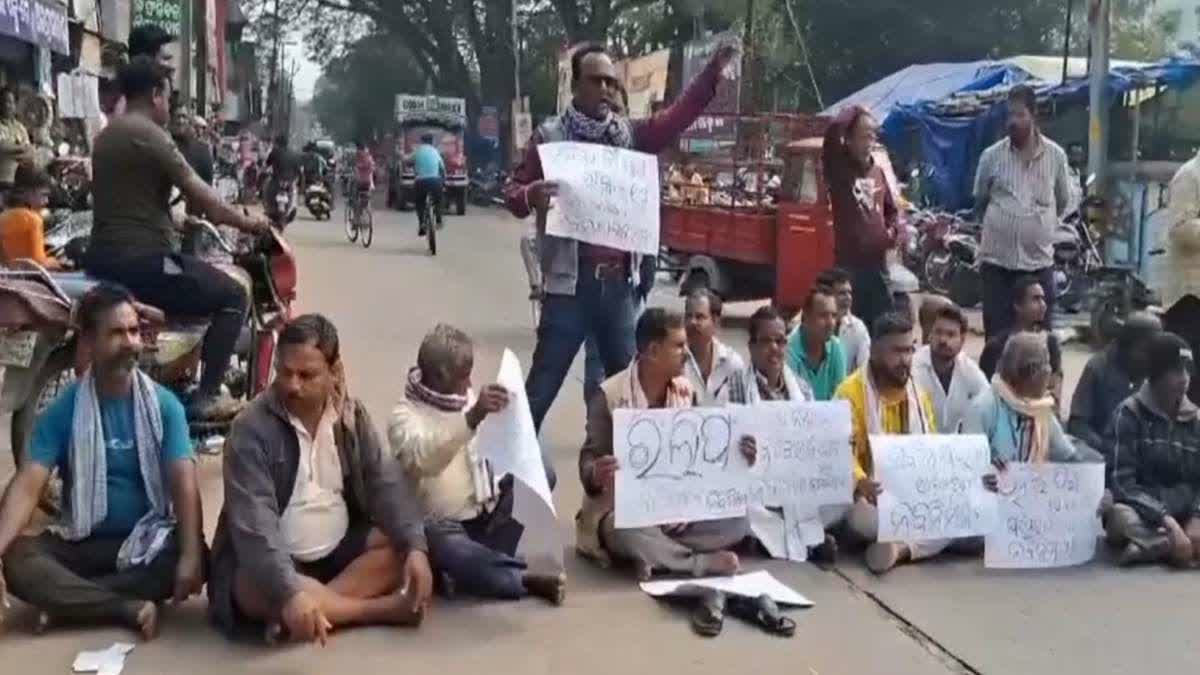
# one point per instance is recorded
(429, 171)
(313, 166)
(135, 166)
(284, 164)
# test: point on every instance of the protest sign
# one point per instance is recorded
(508, 440)
(932, 486)
(606, 196)
(804, 456)
(1046, 516)
(677, 466)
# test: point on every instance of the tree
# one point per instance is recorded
(355, 97)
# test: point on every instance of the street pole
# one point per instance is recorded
(273, 87)
(1098, 103)
(187, 36)
(516, 47)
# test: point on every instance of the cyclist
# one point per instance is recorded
(429, 171)
(364, 176)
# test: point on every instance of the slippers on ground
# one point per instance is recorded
(708, 612)
(763, 612)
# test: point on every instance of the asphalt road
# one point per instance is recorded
(939, 617)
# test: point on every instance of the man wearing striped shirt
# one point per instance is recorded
(1022, 189)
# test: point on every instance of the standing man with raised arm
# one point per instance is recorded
(591, 290)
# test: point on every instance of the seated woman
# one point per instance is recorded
(1018, 413)
(21, 226)
(1155, 471)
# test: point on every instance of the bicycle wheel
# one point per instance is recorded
(431, 228)
(351, 226)
(368, 228)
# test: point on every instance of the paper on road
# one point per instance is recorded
(749, 585)
(508, 439)
(103, 661)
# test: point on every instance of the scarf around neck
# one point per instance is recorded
(416, 390)
(916, 423)
(752, 383)
(89, 472)
(679, 391)
(613, 130)
(1039, 411)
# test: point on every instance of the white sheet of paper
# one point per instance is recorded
(541, 542)
(804, 529)
(677, 466)
(768, 528)
(108, 661)
(1046, 516)
(804, 455)
(508, 439)
(933, 486)
(750, 585)
(607, 196)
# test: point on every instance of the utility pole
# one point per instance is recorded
(1098, 103)
(516, 47)
(274, 85)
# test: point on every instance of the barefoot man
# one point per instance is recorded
(130, 531)
(320, 529)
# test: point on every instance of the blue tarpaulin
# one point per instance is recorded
(928, 82)
(948, 143)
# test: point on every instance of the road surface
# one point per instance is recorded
(947, 616)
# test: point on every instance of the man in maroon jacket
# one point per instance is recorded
(864, 213)
(592, 290)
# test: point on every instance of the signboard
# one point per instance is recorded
(677, 466)
(1046, 516)
(804, 455)
(696, 56)
(933, 486)
(489, 122)
(167, 14)
(606, 196)
(38, 22)
(408, 105)
(646, 82)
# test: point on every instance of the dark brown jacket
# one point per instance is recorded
(261, 459)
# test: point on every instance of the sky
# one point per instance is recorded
(306, 75)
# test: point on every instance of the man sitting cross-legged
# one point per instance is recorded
(130, 533)
(472, 535)
(1155, 470)
(940, 367)
(884, 399)
(319, 529)
(653, 380)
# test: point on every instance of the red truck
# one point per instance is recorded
(444, 118)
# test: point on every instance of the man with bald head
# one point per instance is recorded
(1109, 378)
(590, 289)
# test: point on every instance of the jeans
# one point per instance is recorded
(182, 285)
(593, 369)
(425, 188)
(79, 581)
(998, 312)
(872, 297)
(476, 555)
(602, 309)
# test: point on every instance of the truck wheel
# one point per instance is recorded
(460, 202)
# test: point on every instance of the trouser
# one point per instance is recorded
(872, 296)
(998, 312)
(862, 522)
(79, 581)
(477, 555)
(655, 550)
(428, 188)
(593, 369)
(1183, 319)
(182, 285)
(603, 309)
(1124, 526)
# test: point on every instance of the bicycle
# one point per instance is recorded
(359, 219)
(428, 216)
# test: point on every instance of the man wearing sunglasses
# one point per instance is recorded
(592, 290)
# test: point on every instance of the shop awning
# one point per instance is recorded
(38, 22)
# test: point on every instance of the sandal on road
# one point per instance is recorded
(708, 613)
(763, 612)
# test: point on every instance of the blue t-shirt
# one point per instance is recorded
(127, 500)
(427, 162)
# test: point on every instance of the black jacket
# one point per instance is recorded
(1156, 460)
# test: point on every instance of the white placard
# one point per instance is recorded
(507, 438)
(677, 466)
(932, 486)
(804, 454)
(606, 196)
(1046, 516)
(749, 585)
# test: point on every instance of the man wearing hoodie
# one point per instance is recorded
(864, 213)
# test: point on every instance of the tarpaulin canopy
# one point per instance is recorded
(928, 82)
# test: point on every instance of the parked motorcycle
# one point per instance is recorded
(953, 268)
(38, 341)
(1076, 257)
(487, 187)
(926, 234)
(318, 200)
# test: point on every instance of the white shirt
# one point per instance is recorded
(726, 365)
(315, 520)
(856, 342)
(949, 407)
